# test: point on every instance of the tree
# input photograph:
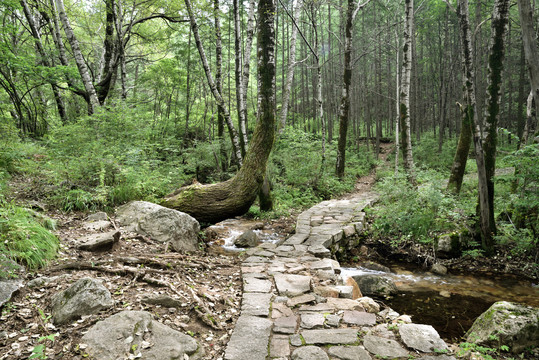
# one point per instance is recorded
(344, 110)
(215, 202)
(404, 108)
(500, 19)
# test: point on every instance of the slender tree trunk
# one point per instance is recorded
(290, 68)
(44, 59)
(247, 66)
(92, 100)
(238, 77)
(211, 83)
(219, 85)
(187, 92)
(215, 202)
(500, 19)
(406, 141)
(531, 52)
(471, 109)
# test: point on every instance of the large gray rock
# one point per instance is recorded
(375, 285)
(161, 224)
(292, 285)
(309, 353)
(421, 337)
(247, 239)
(85, 297)
(138, 334)
(505, 323)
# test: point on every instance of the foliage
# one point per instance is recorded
(407, 213)
(24, 238)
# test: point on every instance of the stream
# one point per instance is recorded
(449, 303)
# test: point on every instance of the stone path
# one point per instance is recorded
(296, 306)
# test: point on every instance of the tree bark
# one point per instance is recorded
(530, 47)
(211, 83)
(247, 66)
(463, 148)
(215, 202)
(290, 68)
(404, 110)
(92, 100)
(239, 78)
(219, 85)
(471, 109)
(500, 19)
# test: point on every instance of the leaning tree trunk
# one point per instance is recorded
(211, 83)
(92, 100)
(500, 19)
(471, 109)
(404, 109)
(530, 47)
(215, 202)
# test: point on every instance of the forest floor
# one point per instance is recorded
(138, 268)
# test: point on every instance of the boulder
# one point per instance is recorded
(98, 216)
(376, 267)
(375, 285)
(506, 323)
(421, 337)
(138, 334)
(448, 245)
(247, 239)
(85, 297)
(161, 224)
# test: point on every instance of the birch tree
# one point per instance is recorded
(404, 107)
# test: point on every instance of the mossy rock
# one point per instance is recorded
(506, 323)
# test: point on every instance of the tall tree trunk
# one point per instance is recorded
(500, 19)
(219, 85)
(215, 202)
(238, 77)
(44, 59)
(187, 92)
(471, 109)
(211, 83)
(290, 68)
(530, 47)
(463, 148)
(247, 66)
(404, 110)
(92, 100)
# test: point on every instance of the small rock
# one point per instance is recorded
(279, 347)
(98, 242)
(285, 325)
(309, 321)
(295, 340)
(162, 300)
(247, 240)
(406, 319)
(438, 269)
(98, 216)
(358, 318)
(7, 289)
(384, 347)
(333, 320)
(302, 299)
(349, 353)
(445, 294)
(421, 337)
(345, 291)
(375, 285)
(369, 304)
(327, 291)
(85, 297)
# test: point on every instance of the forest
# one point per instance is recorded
(394, 137)
(186, 104)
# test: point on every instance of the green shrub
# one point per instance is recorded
(23, 238)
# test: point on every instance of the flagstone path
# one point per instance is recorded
(296, 306)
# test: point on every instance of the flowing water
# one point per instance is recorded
(450, 303)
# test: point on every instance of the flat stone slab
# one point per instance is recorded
(250, 339)
(349, 353)
(309, 321)
(291, 284)
(255, 260)
(330, 336)
(252, 284)
(96, 242)
(285, 325)
(279, 347)
(421, 337)
(324, 307)
(280, 310)
(344, 304)
(355, 317)
(309, 353)
(384, 347)
(256, 304)
(302, 299)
